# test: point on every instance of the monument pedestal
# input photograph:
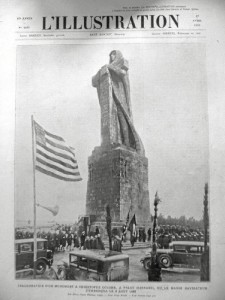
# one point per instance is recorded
(118, 176)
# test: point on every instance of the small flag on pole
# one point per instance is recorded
(54, 157)
(132, 225)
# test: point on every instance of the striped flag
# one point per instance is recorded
(54, 157)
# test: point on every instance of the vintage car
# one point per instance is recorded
(24, 252)
(186, 253)
(95, 265)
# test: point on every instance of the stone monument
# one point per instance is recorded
(118, 169)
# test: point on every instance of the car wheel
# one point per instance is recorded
(147, 263)
(40, 267)
(165, 261)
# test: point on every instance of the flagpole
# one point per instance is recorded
(34, 191)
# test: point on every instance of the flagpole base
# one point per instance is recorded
(154, 272)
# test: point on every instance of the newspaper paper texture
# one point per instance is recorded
(127, 92)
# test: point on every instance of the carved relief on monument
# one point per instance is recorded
(140, 195)
(123, 168)
(117, 203)
(91, 171)
(120, 168)
(116, 168)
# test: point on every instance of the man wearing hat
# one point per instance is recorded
(82, 239)
(117, 242)
(100, 244)
(87, 243)
(91, 240)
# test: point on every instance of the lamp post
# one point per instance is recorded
(154, 272)
(108, 226)
(156, 202)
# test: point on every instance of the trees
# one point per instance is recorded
(181, 221)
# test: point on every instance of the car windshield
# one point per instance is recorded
(82, 261)
(92, 264)
(73, 259)
(41, 245)
(195, 249)
(26, 247)
(180, 248)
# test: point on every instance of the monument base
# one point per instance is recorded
(118, 177)
(102, 228)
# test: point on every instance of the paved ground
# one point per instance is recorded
(138, 273)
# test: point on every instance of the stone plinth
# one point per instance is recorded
(118, 177)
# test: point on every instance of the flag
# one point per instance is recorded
(132, 225)
(54, 157)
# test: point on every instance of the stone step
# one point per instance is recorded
(136, 246)
(127, 245)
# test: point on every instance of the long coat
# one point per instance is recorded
(117, 245)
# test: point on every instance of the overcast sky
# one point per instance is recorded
(169, 103)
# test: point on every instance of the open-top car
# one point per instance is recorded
(95, 265)
(186, 253)
(24, 252)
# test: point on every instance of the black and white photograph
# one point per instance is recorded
(112, 163)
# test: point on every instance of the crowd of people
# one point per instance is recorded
(63, 238)
(169, 233)
(66, 238)
(166, 234)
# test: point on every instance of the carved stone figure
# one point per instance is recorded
(112, 83)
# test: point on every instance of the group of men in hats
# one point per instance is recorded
(91, 241)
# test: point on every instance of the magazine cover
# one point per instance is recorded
(111, 159)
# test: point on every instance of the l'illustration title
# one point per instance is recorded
(110, 22)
